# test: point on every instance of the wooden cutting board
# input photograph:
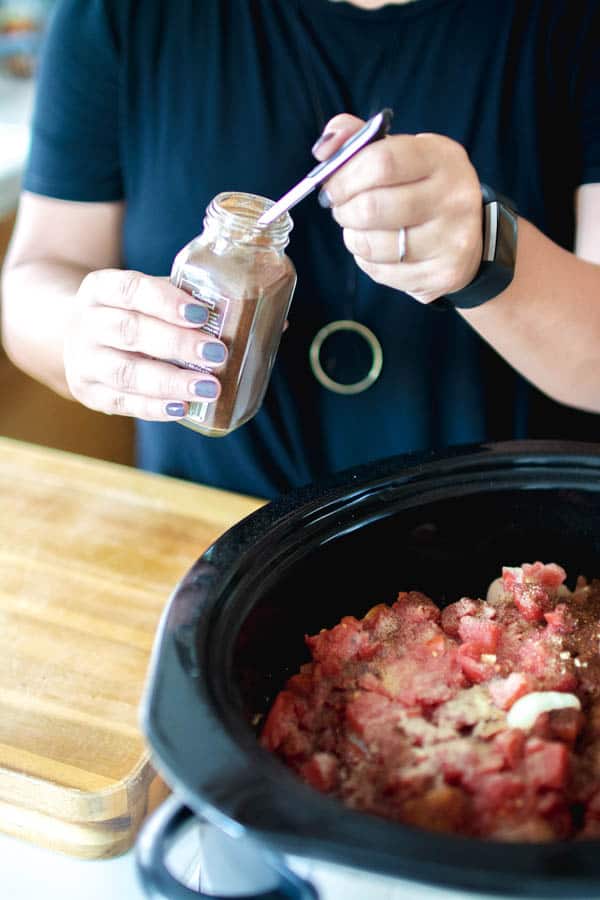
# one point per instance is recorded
(89, 554)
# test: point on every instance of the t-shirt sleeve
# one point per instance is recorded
(74, 151)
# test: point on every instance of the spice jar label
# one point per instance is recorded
(217, 306)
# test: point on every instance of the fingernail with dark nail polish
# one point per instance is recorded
(213, 352)
(195, 313)
(175, 409)
(324, 199)
(206, 389)
(323, 140)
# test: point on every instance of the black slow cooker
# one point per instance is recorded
(234, 631)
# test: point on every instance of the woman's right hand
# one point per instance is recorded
(124, 328)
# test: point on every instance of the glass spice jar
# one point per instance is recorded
(239, 270)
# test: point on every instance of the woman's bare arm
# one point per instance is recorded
(55, 244)
(547, 323)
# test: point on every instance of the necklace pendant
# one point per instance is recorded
(354, 330)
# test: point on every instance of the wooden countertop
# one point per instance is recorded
(89, 554)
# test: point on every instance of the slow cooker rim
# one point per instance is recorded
(414, 467)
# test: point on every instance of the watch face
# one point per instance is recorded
(498, 259)
(506, 244)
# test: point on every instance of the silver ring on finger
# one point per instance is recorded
(402, 245)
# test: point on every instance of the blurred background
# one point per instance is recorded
(28, 410)
(22, 24)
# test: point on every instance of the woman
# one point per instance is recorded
(147, 109)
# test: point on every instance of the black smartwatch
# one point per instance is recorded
(498, 258)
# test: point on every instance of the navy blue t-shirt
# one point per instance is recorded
(165, 104)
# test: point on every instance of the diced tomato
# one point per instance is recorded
(365, 709)
(512, 575)
(538, 655)
(467, 762)
(416, 607)
(561, 679)
(531, 599)
(339, 645)
(368, 650)
(392, 676)
(535, 656)
(301, 683)
(382, 621)
(479, 631)
(511, 744)
(436, 645)
(551, 802)
(549, 575)
(498, 788)
(559, 620)
(317, 673)
(380, 610)
(504, 691)
(546, 764)
(281, 720)
(368, 681)
(469, 656)
(409, 681)
(452, 614)
(529, 586)
(401, 780)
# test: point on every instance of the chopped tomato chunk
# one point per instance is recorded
(505, 691)
(547, 765)
(482, 632)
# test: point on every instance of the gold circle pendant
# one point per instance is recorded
(339, 387)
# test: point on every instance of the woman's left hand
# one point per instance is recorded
(414, 193)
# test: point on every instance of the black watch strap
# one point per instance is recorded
(499, 254)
